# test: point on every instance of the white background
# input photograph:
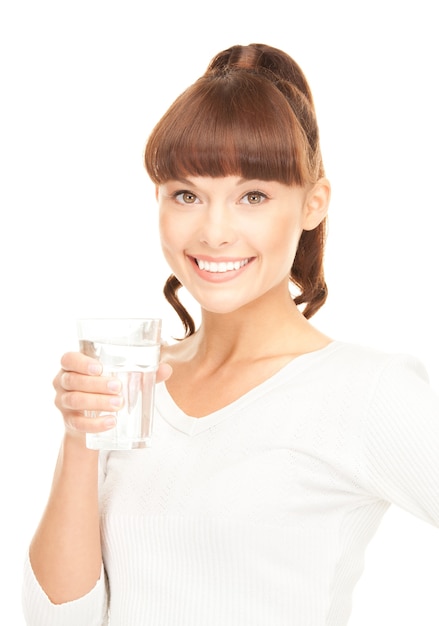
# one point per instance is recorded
(82, 84)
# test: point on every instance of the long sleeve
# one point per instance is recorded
(90, 610)
(402, 439)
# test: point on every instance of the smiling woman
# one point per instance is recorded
(253, 224)
(256, 108)
(276, 449)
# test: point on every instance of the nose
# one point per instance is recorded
(218, 228)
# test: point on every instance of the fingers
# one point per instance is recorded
(81, 424)
(72, 381)
(78, 362)
(82, 364)
(164, 372)
(79, 401)
(85, 397)
(79, 393)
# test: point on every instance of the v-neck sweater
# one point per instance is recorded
(260, 513)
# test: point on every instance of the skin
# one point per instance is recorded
(250, 329)
(229, 219)
(65, 551)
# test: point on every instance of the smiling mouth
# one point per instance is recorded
(216, 267)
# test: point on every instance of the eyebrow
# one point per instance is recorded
(185, 181)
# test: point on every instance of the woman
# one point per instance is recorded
(276, 449)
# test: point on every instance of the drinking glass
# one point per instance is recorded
(128, 348)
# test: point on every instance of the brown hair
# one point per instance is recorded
(251, 114)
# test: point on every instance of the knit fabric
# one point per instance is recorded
(260, 513)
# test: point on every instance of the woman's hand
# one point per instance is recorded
(85, 397)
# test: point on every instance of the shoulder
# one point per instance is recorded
(392, 387)
(359, 373)
(360, 359)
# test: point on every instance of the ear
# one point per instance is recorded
(316, 204)
(156, 192)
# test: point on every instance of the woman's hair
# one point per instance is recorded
(251, 115)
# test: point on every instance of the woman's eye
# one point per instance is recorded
(186, 197)
(254, 197)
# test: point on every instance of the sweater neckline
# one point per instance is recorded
(189, 425)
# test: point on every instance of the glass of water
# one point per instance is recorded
(128, 348)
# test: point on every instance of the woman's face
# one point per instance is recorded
(229, 240)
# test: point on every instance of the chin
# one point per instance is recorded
(225, 308)
(220, 310)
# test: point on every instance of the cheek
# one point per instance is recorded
(283, 251)
(175, 226)
(174, 239)
(167, 237)
(283, 237)
(168, 229)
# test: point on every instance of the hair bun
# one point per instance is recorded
(273, 63)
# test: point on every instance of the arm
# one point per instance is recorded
(65, 552)
(402, 439)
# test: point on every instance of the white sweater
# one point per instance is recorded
(259, 514)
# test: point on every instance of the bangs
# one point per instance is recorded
(234, 125)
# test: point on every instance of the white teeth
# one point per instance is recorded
(221, 266)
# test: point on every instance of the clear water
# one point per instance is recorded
(136, 367)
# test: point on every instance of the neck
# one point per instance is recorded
(271, 325)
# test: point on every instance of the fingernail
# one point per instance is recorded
(114, 385)
(110, 422)
(116, 401)
(95, 368)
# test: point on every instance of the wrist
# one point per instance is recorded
(74, 444)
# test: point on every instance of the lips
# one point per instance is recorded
(215, 267)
